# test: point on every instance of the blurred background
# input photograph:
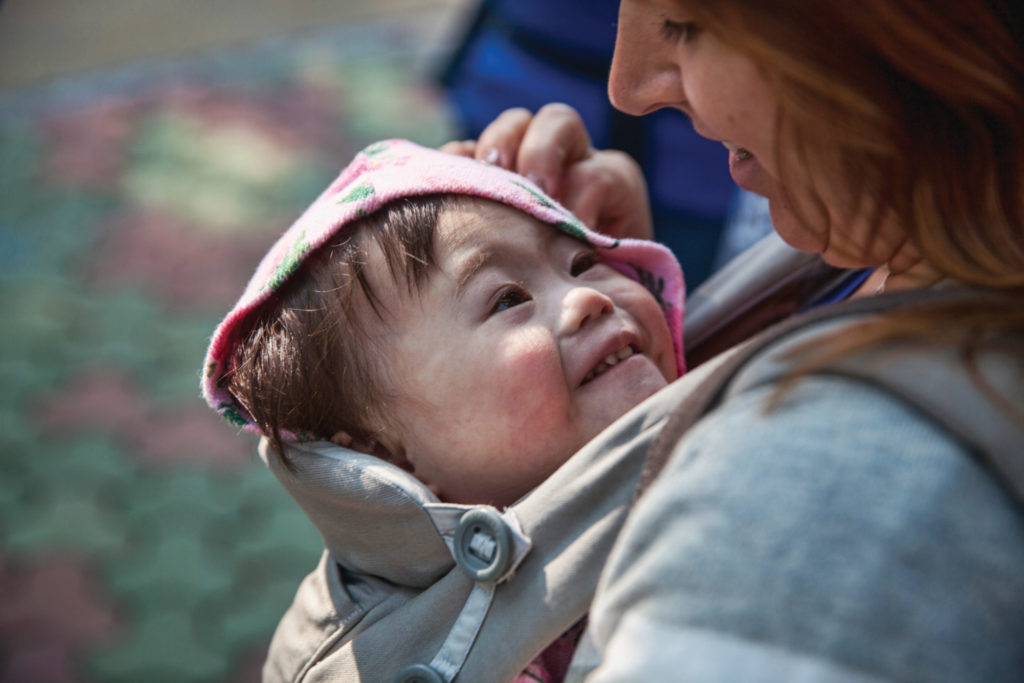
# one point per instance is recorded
(150, 152)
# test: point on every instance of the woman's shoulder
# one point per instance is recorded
(828, 427)
(898, 397)
(840, 511)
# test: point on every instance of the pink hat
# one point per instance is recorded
(392, 169)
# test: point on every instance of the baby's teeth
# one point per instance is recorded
(611, 359)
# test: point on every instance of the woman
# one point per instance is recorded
(817, 527)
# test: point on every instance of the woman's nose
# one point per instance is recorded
(644, 74)
(582, 305)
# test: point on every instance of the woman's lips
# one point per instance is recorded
(746, 171)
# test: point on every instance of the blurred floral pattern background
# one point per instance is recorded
(141, 539)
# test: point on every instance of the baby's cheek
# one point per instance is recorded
(529, 384)
(646, 310)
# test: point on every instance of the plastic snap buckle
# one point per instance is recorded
(483, 544)
(418, 673)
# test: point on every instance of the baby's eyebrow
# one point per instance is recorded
(471, 266)
(496, 253)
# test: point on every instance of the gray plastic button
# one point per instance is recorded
(483, 545)
(418, 673)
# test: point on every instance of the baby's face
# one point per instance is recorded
(515, 353)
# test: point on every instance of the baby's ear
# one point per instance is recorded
(370, 446)
(343, 439)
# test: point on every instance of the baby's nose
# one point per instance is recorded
(582, 305)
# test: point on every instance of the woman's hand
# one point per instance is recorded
(605, 189)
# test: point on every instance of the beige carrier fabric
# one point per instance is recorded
(400, 592)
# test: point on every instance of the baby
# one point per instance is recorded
(423, 310)
(445, 316)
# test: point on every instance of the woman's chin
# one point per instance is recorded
(791, 229)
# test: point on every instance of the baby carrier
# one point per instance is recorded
(411, 589)
(472, 593)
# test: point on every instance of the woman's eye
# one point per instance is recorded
(679, 31)
(510, 297)
(583, 262)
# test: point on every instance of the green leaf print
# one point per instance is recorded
(377, 148)
(574, 229)
(231, 414)
(356, 193)
(544, 201)
(290, 262)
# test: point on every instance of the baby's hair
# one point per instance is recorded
(308, 365)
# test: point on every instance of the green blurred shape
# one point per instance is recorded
(46, 517)
(170, 568)
(35, 350)
(20, 150)
(251, 617)
(54, 226)
(226, 176)
(85, 462)
(168, 556)
(54, 497)
(286, 540)
(383, 99)
(160, 647)
(177, 346)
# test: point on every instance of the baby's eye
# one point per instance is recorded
(510, 297)
(583, 262)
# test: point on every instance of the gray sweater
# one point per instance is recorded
(843, 537)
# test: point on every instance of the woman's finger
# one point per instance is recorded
(499, 142)
(555, 139)
(608, 193)
(462, 148)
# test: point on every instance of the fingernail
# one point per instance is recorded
(538, 181)
(492, 156)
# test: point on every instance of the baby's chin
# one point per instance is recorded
(621, 402)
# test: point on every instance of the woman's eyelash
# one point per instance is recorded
(676, 31)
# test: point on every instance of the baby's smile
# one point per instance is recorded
(608, 361)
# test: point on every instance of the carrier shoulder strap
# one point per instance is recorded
(980, 402)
